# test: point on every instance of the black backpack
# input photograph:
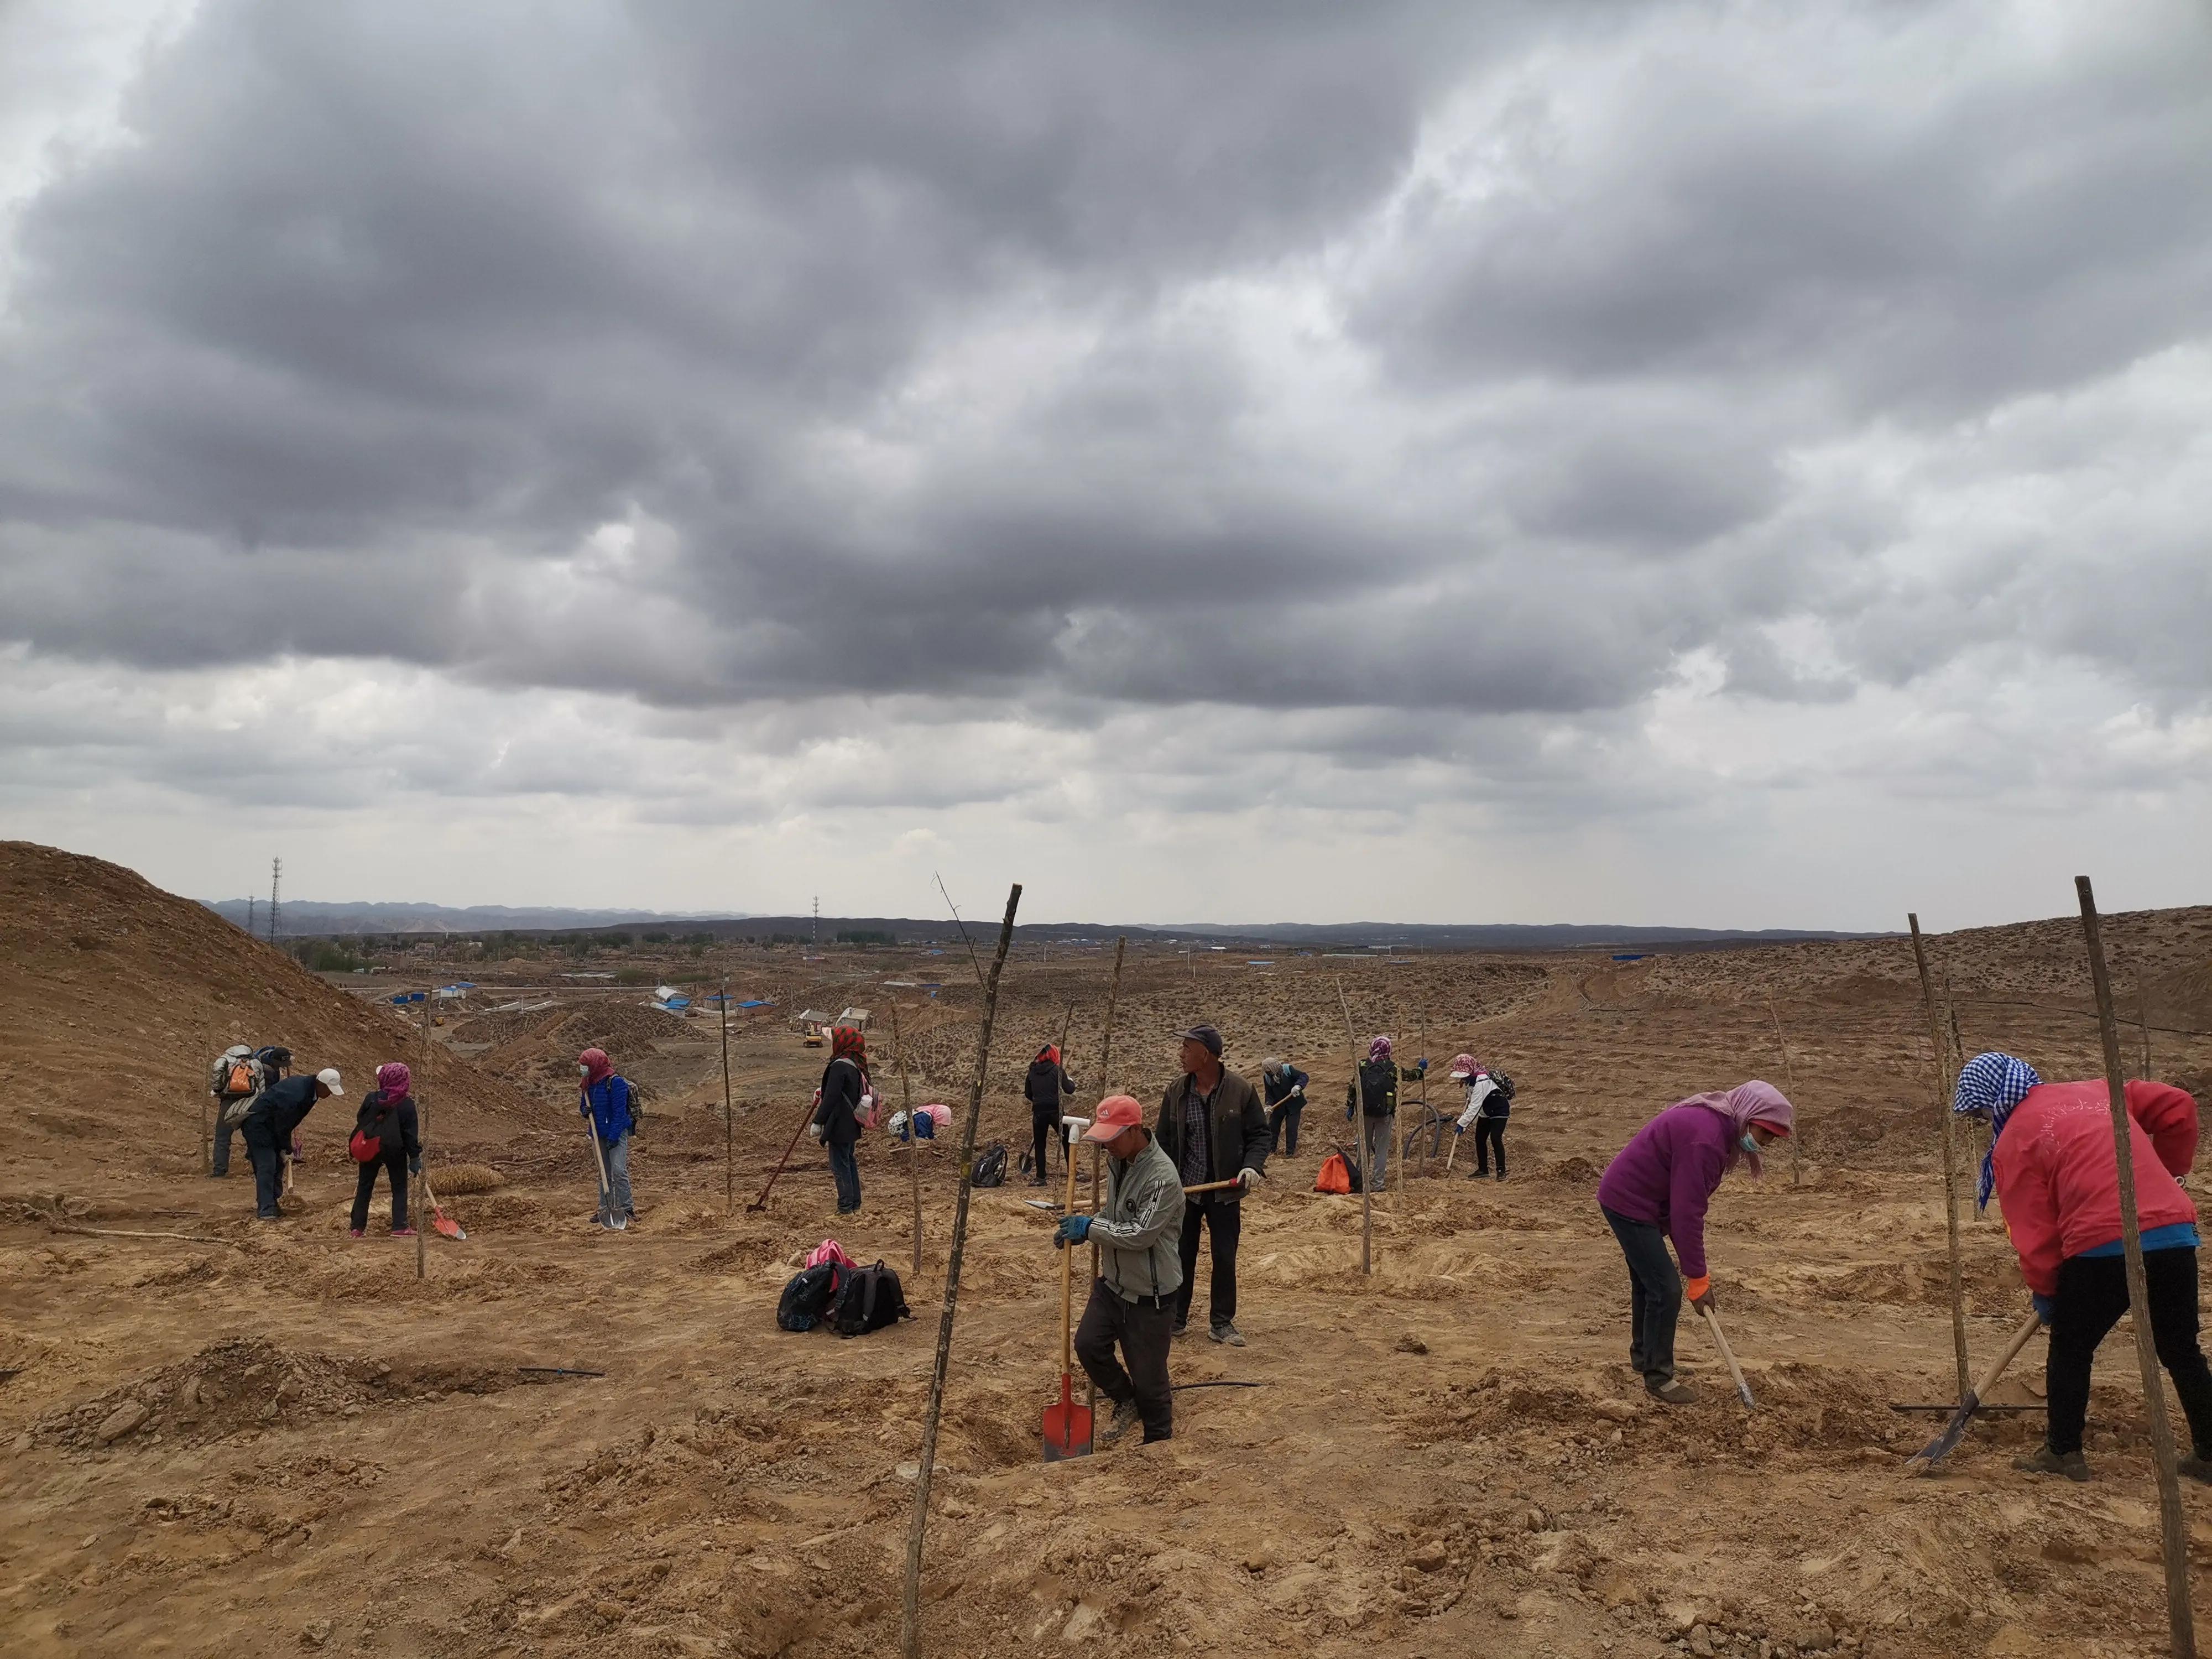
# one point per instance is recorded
(1504, 1085)
(807, 1298)
(869, 1299)
(991, 1165)
(1378, 1088)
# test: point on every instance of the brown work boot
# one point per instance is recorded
(1673, 1392)
(2044, 1461)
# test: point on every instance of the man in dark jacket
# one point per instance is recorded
(278, 1111)
(1285, 1088)
(1044, 1088)
(1212, 1126)
(846, 1095)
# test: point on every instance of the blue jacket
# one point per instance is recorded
(606, 1103)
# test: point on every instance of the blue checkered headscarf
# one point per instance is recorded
(1991, 1086)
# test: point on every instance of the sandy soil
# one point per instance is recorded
(277, 1440)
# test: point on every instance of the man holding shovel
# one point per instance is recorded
(1139, 1232)
(606, 1103)
(1211, 1125)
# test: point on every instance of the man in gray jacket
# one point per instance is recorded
(1137, 1230)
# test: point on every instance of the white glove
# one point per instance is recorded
(814, 1132)
(1247, 1179)
(1299, 1090)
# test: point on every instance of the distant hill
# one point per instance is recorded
(309, 917)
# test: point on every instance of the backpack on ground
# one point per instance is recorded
(991, 1165)
(370, 1125)
(807, 1298)
(1335, 1175)
(869, 1299)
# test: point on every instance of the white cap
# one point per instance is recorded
(328, 1077)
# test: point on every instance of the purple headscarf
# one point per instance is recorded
(394, 1080)
(1378, 1048)
(1742, 1106)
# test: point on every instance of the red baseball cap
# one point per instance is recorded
(1117, 1114)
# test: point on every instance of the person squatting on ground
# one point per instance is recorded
(607, 1099)
(1374, 1095)
(236, 1076)
(1282, 1087)
(1044, 1088)
(2053, 1166)
(847, 1098)
(1657, 1187)
(271, 1130)
(1211, 1125)
(1487, 1108)
(1138, 1233)
(387, 1119)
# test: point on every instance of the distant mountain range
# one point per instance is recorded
(307, 918)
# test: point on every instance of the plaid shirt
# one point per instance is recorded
(1197, 1134)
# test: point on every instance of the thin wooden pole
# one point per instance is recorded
(418, 1211)
(1425, 1138)
(1789, 1075)
(913, 1136)
(1359, 1119)
(1974, 1126)
(729, 1118)
(910, 1606)
(1105, 1057)
(2143, 1020)
(2173, 1540)
(207, 1132)
(1950, 1166)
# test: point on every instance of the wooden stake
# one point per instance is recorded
(729, 1118)
(2143, 1020)
(1359, 1118)
(910, 1607)
(1422, 1031)
(913, 1137)
(1789, 1074)
(2172, 1539)
(207, 1132)
(417, 1212)
(1950, 1167)
(1105, 1056)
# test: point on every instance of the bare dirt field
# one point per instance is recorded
(268, 1438)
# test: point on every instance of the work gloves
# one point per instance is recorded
(1072, 1230)
(415, 1166)
(814, 1132)
(1247, 1178)
(2044, 1307)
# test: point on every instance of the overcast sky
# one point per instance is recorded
(1718, 464)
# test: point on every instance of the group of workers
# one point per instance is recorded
(258, 1098)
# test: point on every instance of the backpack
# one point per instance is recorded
(1378, 1088)
(236, 1074)
(1504, 1085)
(367, 1145)
(807, 1298)
(1335, 1175)
(991, 1165)
(869, 1299)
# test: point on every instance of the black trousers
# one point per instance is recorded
(1142, 1330)
(268, 1166)
(1655, 1298)
(1225, 1221)
(1489, 1132)
(394, 1165)
(1044, 1129)
(1282, 1121)
(2092, 1294)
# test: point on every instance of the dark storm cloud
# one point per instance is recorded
(915, 351)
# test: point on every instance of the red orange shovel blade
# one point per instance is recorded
(1066, 1431)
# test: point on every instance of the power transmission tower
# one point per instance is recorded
(818, 921)
(249, 916)
(276, 878)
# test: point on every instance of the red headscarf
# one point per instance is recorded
(394, 1080)
(847, 1042)
(597, 1066)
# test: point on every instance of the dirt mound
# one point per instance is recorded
(457, 1180)
(106, 978)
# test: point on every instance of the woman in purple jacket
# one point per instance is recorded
(1657, 1187)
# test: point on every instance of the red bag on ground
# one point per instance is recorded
(831, 1251)
(1335, 1175)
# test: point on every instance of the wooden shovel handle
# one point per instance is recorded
(1212, 1187)
(2028, 1327)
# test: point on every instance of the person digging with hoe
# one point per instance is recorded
(1211, 1125)
(270, 1129)
(2053, 1166)
(605, 1099)
(1657, 1187)
(1284, 1090)
(386, 1135)
(1139, 1232)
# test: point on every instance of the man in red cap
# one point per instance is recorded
(1137, 1230)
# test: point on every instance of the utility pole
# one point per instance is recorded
(818, 921)
(250, 902)
(276, 878)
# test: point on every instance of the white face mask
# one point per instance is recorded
(582, 1069)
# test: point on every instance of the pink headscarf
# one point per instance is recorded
(1378, 1048)
(1742, 1106)
(596, 1065)
(394, 1080)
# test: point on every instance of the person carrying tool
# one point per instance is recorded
(1046, 1085)
(846, 1099)
(1657, 1187)
(1212, 1126)
(270, 1126)
(1373, 1096)
(607, 1100)
(1283, 1089)
(387, 1135)
(1138, 1231)
(2053, 1167)
(236, 1076)
(1487, 1108)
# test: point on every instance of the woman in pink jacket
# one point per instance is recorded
(2052, 1167)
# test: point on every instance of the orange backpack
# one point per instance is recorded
(1335, 1175)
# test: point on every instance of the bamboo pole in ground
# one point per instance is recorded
(2172, 1538)
(418, 1211)
(911, 1605)
(1789, 1075)
(2142, 1021)
(1105, 1088)
(729, 1118)
(1360, 1122)
(913, 1137)
(1950, 1165)
(207, 1132)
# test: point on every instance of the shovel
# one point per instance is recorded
(1067, 1428)
(1742, 1388)
(446, 1226)
(606, 1217)
(1941, 1446)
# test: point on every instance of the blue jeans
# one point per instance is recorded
(617, 1204)
(268, 1169)
(845, 1169)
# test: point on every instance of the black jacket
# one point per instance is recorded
(1045, 1086)
(1279, 1088)
(283, 1107)
(402, 1130)
(1238, 1135)
(839, 1114)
